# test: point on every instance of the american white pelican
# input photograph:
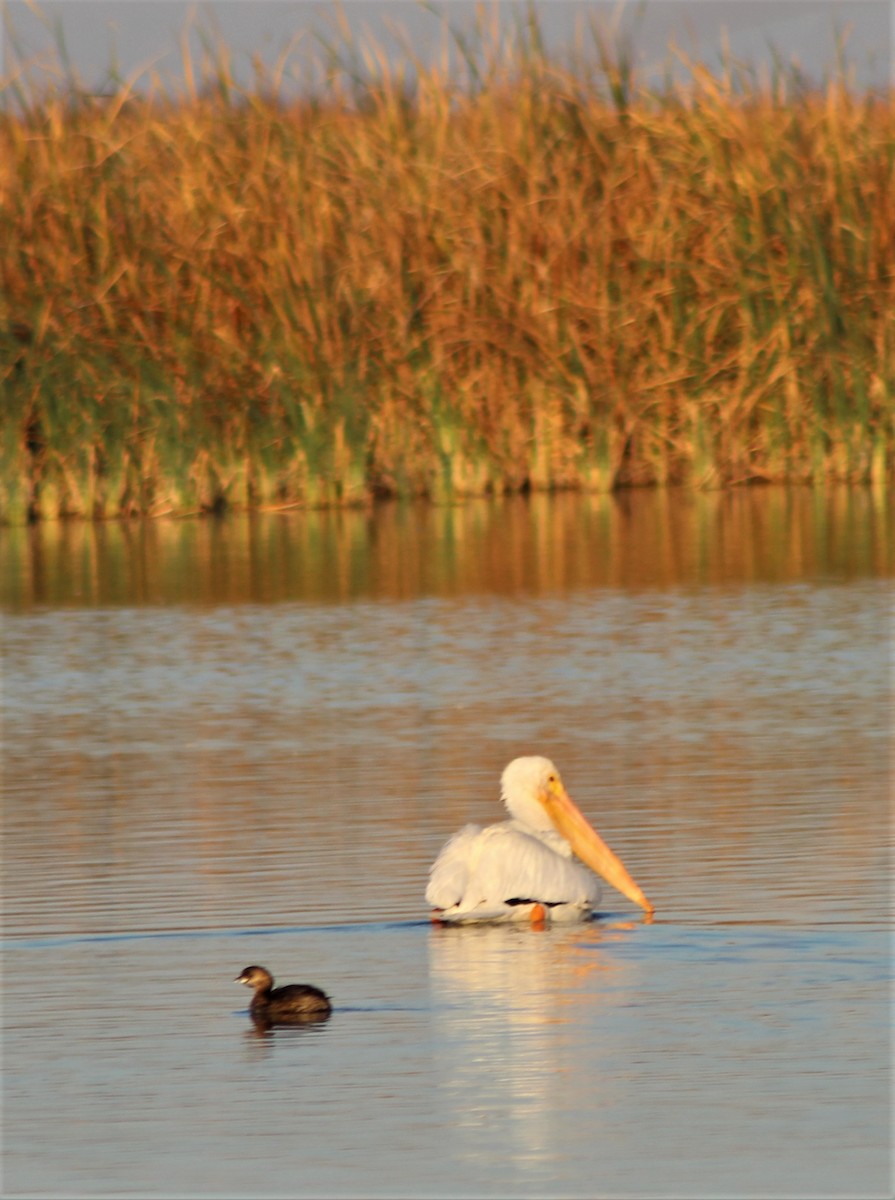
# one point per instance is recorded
(523, 869)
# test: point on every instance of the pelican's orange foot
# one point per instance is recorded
(538, 916)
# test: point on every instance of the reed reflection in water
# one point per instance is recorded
(541, 545)
(244, 741)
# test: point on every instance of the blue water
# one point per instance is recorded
(191, 787)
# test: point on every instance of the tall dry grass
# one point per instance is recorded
(544, 277)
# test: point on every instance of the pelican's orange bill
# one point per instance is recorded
(588, 845)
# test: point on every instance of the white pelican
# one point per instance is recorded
(524, 869)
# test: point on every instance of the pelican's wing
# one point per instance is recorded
(487, 867)
(513, 865)
(449, 874)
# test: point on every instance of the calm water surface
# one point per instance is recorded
(239, 742)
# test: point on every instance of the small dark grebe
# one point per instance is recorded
(293, 1002)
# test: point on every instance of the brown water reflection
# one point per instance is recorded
(245, 741)
(537, 544)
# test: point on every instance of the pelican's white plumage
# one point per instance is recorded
(526, 868)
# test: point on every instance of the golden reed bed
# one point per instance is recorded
(548, 278)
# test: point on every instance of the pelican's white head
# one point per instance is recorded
(522, 785)
(535, 796)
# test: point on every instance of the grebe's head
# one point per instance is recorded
(255, 978)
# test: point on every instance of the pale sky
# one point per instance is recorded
(136, 33)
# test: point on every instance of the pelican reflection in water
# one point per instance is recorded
(540, 865)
